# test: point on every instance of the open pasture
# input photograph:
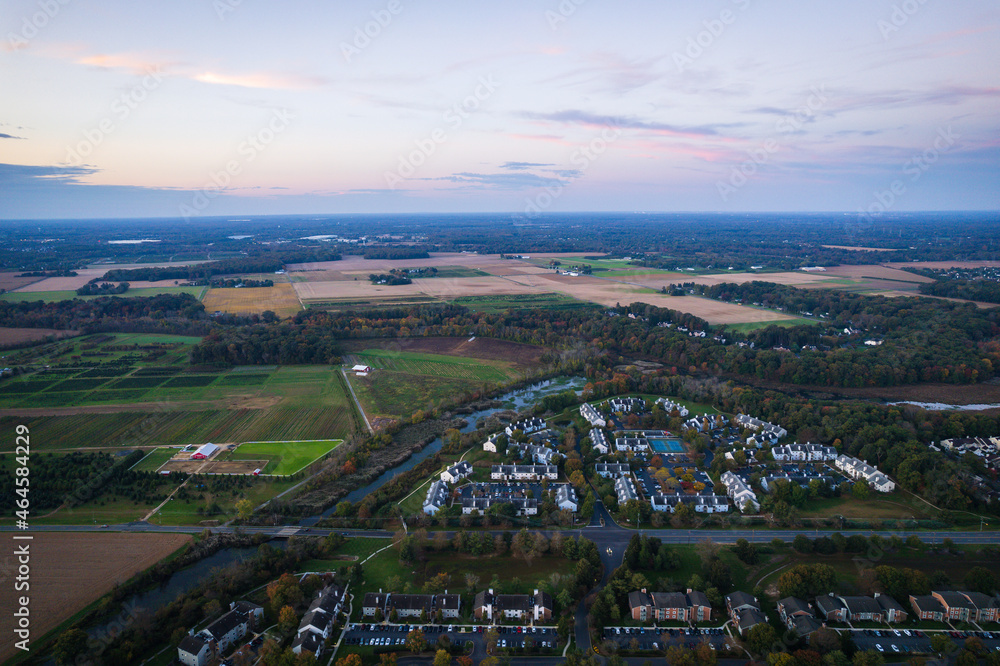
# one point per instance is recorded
(412, 363)
(280, 299)
(282, 458)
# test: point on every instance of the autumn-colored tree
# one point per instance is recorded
(416, 641)
(442, 658)
(287, 619)
(350, 660)
(284, 591)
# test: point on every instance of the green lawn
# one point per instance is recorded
(403, 382)
(184, 512)
(285, 458)
(155, 459)
(784, 323)
(502, 302)
(53, 296)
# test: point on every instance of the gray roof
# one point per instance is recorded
(794, 605)
(226, 623)
(857, 605)
(749, 618)
(805, 624)
(927, 604)
(192, 644)
(737, 599)
(827, 604)
(888, 603)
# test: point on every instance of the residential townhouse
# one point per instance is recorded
(763, 427)
(523, 506)
(526, 426)
(706, 503)
(612, 470)
(967, 606)
(627, 405)
(535, 607)
(858, 469)
(625, 490)
(927, 607)
(692, 607)
(566, 498)
(599, 441)
(593, 417)
(437, 497)
(804, 452)
(804, 480)
(631, 445)
(790, 607)
(737, 489)
(456, 472)
(523, 472)
(669, 406)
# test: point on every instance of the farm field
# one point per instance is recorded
(185, 512)
(280, 299)
(268, 404)
(155, 459)
(69, 571)
(284, 458)
(746, 328)
(52, 296)
(404, 381)
(490, 349)
(19, 336)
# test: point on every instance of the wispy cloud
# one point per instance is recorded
(501, 181)
(9, 136)
(521, 166)
(588, 119)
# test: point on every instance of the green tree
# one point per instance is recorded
(761, 638)
(868, 658)
(416, 641)
(71, 643)
(244, 509)
(981, 579)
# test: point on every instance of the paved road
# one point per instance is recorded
(609, 536)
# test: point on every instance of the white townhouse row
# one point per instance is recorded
(523, 472)
(631, 445)
(760, 426)
(437, 497)
(741, 494)
(526, 426)
(625, 490)
(859, 469)
(700, 503)
(669, 406)
(599, 441)
(804, 452)
(626, 405)
(593, 416)
(456, 472)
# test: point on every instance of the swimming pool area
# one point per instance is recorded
(665, 445)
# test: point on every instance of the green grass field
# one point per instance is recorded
(784, 323)
(404, 382)
(436, 365)
(155, 459)
(285, 458)
(501, 302)
(53, 296)
(288, 403)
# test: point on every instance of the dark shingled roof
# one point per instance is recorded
(191, 644)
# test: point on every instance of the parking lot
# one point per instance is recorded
(902, 641)
(649, 638)
(388, 635)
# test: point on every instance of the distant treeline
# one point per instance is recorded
(60, 273)
(102, 289)
(80, 314)
(396, 253)
(391, 279)
(971, 290)
(232, 283)
(201, 273)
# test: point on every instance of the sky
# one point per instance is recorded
(146, 108)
